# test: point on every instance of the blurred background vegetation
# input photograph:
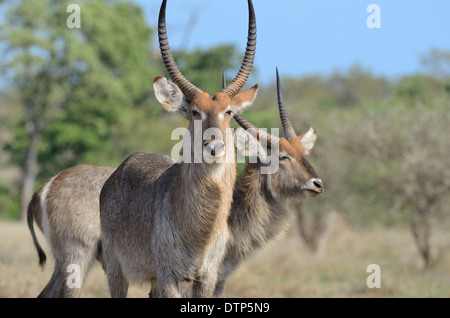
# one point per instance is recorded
(73, 96)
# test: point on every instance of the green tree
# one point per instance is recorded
(400, 173)
(75, 84)
(437, 62)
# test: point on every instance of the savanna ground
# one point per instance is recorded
(283, 269)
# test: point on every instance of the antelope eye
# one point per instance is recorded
(229, 112)
(195, 113)
(284, 157)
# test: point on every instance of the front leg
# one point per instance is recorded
(184, 287)
(154, 293)
(166, 286)
(118, 284)
(218, 291)
(204, 286)
(208, 274)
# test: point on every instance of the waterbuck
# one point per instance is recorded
(259, 212)
(66, 209)
(165, 222)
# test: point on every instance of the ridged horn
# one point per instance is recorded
(289, 131)
(246, 67)
(188, 89)
(255, 131)
(224, 80)
(244, 123)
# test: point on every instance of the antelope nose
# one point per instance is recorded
(318, 184)
(314, 186)
(214, 147)
(218, 148)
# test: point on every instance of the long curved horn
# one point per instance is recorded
(246, 67)
(244, 123)
(255, 131)
(188, 89)
(289, 131)
(224, 80)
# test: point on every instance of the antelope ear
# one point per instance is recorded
(170, 96)
(308, 139)
(248, 145)
(244, 99)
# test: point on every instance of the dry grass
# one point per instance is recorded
(283, 269)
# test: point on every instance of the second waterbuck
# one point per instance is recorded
(163, 221)
(259, 212)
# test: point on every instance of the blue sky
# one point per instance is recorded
(305, 37)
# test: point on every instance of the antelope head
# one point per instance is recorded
(207, 114)
(295, 174)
